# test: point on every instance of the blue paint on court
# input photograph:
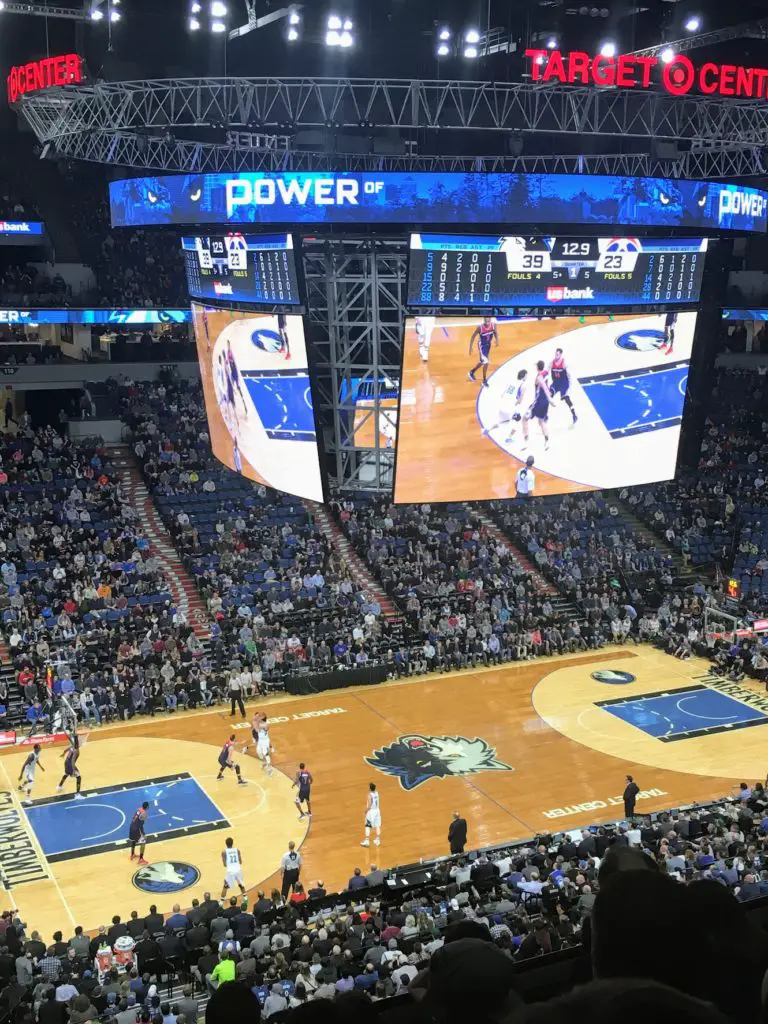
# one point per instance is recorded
(684, 713)
(634, 405)
(103, 817)
(284, 405)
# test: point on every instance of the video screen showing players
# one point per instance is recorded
(594, 401)
(242, 268)
(467, 270)
(258, 397)
(357, 399)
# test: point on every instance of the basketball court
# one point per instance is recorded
(518, 750)
(456, 440)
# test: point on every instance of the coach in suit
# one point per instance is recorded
(630, 796)
(457, 833)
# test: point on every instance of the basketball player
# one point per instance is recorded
(27, 773)
(514, 403)
(285, 341)
(236, 456)
(264, 746)
(258, 718)
(233, 867)
(207, 332)
(561, 381)
(670, 322)
(71, 771)
(225, 761)
(486, 334)
(424, 326)
(372, 816)
(304, 781)
(540, 408)
(136, 835)
(234, 373)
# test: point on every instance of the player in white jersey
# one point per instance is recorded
(424, 327)
(264, 746)
(372, 816)
(233, 867)
(27, 773)
(514, 403)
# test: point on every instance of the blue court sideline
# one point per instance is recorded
(284, 404)
(684, 713)
(649, 400)
(67, 828)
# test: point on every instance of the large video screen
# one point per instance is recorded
(258, 397)
(596, 402)
(242, 268)
(461, 270)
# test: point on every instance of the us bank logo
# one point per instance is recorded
(613, 676)
(166, 876)
(416, 759)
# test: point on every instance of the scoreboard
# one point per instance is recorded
(463, 270)
(242, 268)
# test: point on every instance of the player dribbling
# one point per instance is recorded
(27, 773)
(304, 782)
(233, 867)
(372, 816)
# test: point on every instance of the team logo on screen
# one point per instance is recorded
(269, 341)
(645, 339)
(415, 759)
(166, 876)
(557, 293)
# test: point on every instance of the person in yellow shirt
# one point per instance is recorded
(223, 971)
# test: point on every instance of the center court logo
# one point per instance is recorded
(415, 759)
(643, 340)
(166, 876)
(613, 676)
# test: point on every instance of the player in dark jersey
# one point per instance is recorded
(136, 835)
(234, 374)
(304, 782)
(540, 408)
(71, 771)
(486, 334)
(225, 761)
(285, 341)
(670, 322)
(27, 773)
(561, 381)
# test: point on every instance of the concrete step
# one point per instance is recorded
(357, 568)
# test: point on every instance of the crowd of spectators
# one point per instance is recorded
(477, 935)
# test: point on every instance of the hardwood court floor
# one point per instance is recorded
(527, 749)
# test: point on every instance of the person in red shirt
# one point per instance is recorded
(298, 895)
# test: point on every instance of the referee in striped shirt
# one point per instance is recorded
(525, 480)
(290, 865)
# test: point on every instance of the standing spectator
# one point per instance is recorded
(457, 833)
(630, 796)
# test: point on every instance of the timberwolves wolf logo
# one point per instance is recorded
(416, 759)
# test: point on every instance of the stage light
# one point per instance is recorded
(332, 37)
(348, 25)
(539, 60)
(114, 16)
(218, 9)
(292, 35)
(470, 52)
(444, 35)
(193, 25)
(693, 24)
(608, 49)
(667, 55)
(346, 40)
(472, 36)
(334, 23)
(294, 18)
(2, 4)
(443, 50)
(552, 43)
(217, 27)
(195, 8)
(97, 15)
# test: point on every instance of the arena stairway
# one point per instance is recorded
(681, 573)
(185, 593)
(562, 605)
(357, 568)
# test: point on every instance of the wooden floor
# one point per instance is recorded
(528, 750)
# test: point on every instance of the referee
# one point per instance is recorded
(290, 865)
(236, 694)
(525, 481)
